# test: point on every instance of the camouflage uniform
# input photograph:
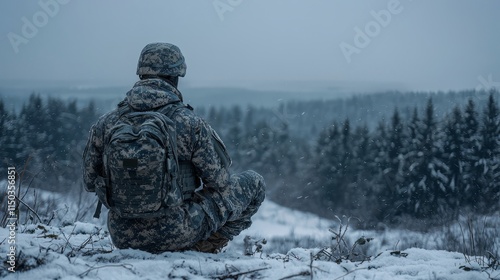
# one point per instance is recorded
(223, 206)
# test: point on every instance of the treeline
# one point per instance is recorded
(425, 166)
(419, 163)
(45, 141)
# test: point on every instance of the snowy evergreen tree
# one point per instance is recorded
(381, 146)
(426, 185)
(33, 119)
(8, 138)
(396, 152)
(4, 118)
(454, 156)
(412, 154)
(345, 174)
(361, 194)
(472, 146)
(214, 117)
(434, 183)
(363, 153)
(392, 177)
(326, 168)
(56, 130)
(489, 156)
(234, 137)
(32, 128)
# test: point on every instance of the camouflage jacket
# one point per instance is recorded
(197, 142)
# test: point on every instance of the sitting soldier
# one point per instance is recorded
(166, 199)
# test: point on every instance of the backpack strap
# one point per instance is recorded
(186, 174)
(98, 210)
(169, 110)
(101, 192)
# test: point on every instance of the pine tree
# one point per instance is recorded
(326, 168)
(489, 156)
(5, 136)
(73, 129)
(412, 159)
(214, 117)
(234, 135)
(345, 168)
(472, 146)
(363, 154)
(426, 182)
(32, 126)
(34, 121)
(360, 193)
(434, 182)
(249, 119)
(395, 151)
(454, 156)
(396, 139)
(4, 116)
(75, 133)
(56, 142)
(393, 177)
(12, 144)
(381, 145)
(87, 117)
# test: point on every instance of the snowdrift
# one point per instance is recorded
(84, 251)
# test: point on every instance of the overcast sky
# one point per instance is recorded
(421, 45)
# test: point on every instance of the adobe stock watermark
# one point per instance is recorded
(223, 6)
(485, 85)
(282, 117)
(363, 37)
(11, 219)
(31, 26)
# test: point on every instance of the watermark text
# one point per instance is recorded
(31, 26)
(12, 218)
(223, 6)
(364, 36)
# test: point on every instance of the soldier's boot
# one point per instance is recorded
(212, 244)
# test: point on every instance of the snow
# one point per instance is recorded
(84, 251)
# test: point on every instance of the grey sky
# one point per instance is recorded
(426, 45)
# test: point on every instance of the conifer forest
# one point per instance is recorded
(431, 156)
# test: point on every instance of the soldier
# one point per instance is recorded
(216, 206)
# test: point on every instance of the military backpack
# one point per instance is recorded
(140, 164)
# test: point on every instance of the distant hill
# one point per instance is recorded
(107, 97)
(312, 109)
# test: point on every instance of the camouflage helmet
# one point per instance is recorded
(161, 59)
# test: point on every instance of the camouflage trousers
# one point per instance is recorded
(226, 212)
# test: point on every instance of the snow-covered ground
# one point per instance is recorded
(84, 251)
